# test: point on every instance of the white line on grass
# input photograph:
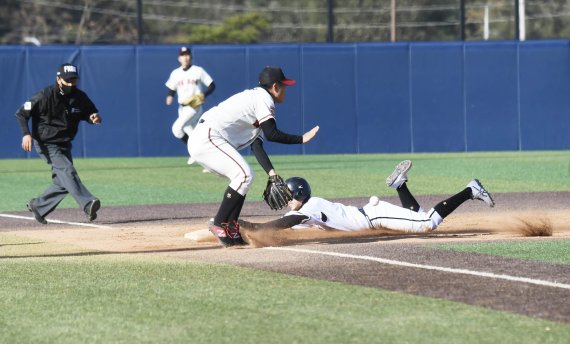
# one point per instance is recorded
(429, 267)
(56, 221)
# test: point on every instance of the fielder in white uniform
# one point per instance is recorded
(307, 211)
(234, 124)
(188, 81)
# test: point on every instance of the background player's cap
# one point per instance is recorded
(184, 51)
(271, 75)
(67, 72)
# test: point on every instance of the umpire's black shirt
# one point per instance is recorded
(55, 117)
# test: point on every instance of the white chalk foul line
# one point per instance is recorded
(56, 221)
(429, 267)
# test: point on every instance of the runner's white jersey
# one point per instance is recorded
(238, 118)
(189, 82)
(328, 215)
(379, 214)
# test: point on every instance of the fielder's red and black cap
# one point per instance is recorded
(67, 72)
(184, 51)
(270, 75)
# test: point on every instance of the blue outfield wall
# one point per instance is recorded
(367, 97)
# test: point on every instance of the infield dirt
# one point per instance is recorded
(162, 227)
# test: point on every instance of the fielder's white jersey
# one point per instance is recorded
(189, 82)
(238, 118)
(328, 215)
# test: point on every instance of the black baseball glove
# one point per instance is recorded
(276, 193)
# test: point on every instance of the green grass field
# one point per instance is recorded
(54, 293)
(86, 297)
(130, 181)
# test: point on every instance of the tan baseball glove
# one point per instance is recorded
(195, 101)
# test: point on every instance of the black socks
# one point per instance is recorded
(447, 206)
(230, 208)
(407, 199)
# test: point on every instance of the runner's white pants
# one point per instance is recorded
(390, 216)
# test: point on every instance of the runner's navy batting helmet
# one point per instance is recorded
(300, 189)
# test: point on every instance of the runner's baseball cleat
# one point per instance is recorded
(399, 176)
(480, 193)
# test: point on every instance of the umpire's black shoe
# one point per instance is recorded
(32, 208)
(91, 209)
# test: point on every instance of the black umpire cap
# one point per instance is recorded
(270, 75)
(67, 72)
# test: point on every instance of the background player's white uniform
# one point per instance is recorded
(328, 215)
(227, 128)
(187, 83)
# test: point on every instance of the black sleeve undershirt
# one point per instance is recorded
(271, 132)
(261, 155)
(281, 223)
(210, 89)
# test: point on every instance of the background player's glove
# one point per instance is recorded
(195, 101)
(276, 193)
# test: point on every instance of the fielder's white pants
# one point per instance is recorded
(214, 153)
(187, 120)
(390, 216)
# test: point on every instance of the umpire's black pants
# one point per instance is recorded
(64, 178)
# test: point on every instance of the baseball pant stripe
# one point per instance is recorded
(231, 158)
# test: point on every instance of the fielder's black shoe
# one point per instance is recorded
(32, 208)
(233, 232)
(91, 209)
(221, 234)
(239, 241)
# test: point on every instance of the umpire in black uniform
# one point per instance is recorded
(56, 112)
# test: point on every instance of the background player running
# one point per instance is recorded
(192, 84)
(307, 211)
(234, 124)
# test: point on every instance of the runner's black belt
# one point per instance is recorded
(365, 215)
